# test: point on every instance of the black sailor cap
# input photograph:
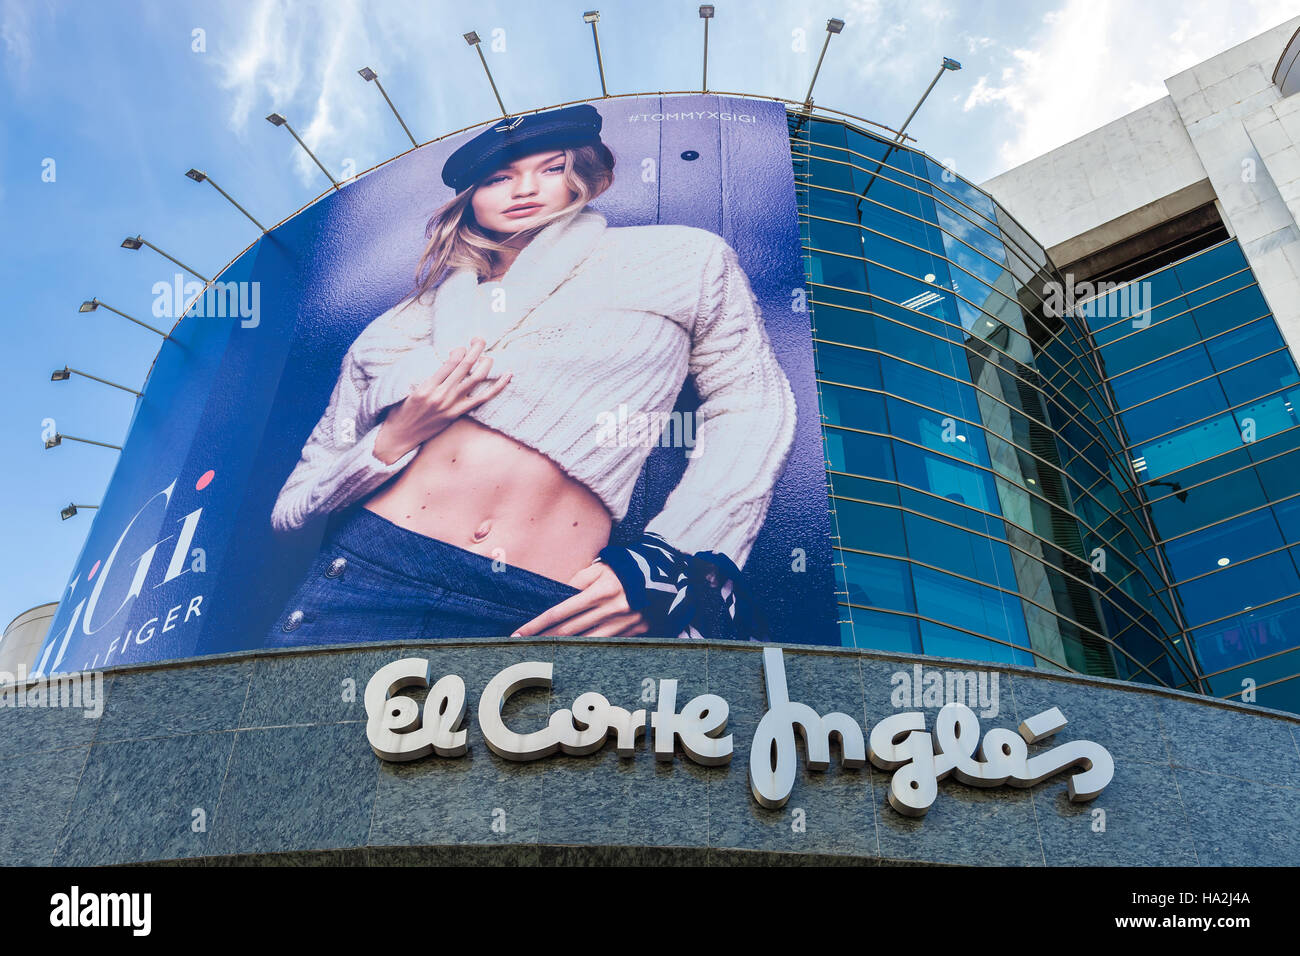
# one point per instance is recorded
(510, 139)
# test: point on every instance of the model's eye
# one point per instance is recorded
(558, 168)
(493, 180)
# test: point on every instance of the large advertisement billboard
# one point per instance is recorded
(551, 376)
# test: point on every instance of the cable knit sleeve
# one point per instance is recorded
(744, 427)
(338, 466)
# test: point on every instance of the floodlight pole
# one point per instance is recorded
(67, 370)
(135, 242)
(593, 17)
(276, 119)
(370, 76)
(948, 64)
(92, 304)
(472, 39)
(706, 14)
(201, 177)
(86, 441)
(833, 26)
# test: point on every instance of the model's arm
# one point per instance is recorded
(338, 464)
(373, 428)
(744, 427)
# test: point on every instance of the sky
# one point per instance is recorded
(106, 104)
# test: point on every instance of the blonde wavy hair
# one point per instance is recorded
(455, 239)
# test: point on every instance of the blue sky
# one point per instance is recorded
(123, 97)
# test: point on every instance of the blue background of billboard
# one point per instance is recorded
(324, 274)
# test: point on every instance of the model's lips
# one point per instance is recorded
(525, 209)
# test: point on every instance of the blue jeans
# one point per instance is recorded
(375, 581)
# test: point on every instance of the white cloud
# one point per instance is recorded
(15, 32)
(1095, 60)
(292, 60)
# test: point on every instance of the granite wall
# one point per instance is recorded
(263, 757)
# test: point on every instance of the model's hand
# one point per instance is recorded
(599, 610)
(437, 402)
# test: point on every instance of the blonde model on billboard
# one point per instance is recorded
(466, 420)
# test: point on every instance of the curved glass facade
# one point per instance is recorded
(984, 505)
(1207, 393)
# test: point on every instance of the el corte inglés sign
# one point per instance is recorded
(399, 730)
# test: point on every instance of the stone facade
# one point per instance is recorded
(263, 757)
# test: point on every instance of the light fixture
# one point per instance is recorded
(58, 438)
(833, 26)
(1224, 562)
(135, 242)
(201, 177)
(275, 119)
(592, 17)
(370, 76)
(65, 373)
(706, 14)
(948, 64)
(92, 304)
(70, 510)
(472, 39)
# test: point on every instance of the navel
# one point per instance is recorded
(482, 531)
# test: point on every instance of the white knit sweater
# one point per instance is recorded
(588, 318)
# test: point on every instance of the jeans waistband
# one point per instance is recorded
(437, 563)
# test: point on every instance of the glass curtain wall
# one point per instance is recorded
(984, 506)
(1207, 391)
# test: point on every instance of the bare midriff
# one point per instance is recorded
(480, 490)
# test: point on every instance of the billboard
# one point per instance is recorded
(551, 376)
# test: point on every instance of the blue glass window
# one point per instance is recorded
(1247, 636)
(836, 363)
(1260, 377)
(1220, 261)
(871, 527)
(878, 582)
(880, 631)
(1187, 405)
(1244, 344)
(1229, 311)
(1237, 588)
(969, 605)
(1222, 544)
(1176, 371)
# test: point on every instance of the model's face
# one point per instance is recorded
(514, 197)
